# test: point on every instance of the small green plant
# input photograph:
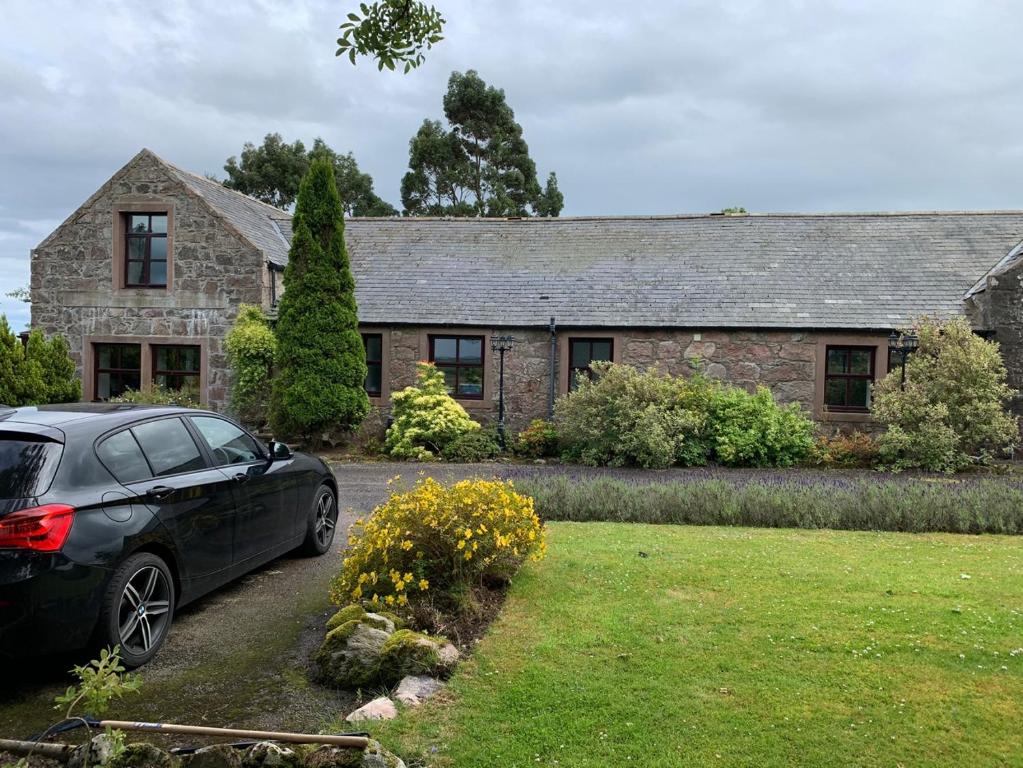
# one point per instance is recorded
(855, 450)
(754, 431)
(472, 446)
(250, 346)
(426, 418)
(537, 441)
(158, 396)
(100, 682)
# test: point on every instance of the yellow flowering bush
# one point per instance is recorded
(434, 543)
(426, 418)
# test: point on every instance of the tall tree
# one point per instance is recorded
(273, 171)
(321, 362)
(480, 166)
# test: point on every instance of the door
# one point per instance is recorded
(195, 502)
(264, 518)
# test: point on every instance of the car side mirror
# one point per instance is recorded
(279, 451)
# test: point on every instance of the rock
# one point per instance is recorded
(415, 689)
(97, 751)
(214, 756)
(350, 654)
(379, 621)
(374, 756)
(348, 613)
(141, 755)
(267, 754)
(378, 709)
(412, 653)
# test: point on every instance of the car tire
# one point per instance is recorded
(138, 609)
(322, 522)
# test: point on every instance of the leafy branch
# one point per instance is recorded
(391, 31)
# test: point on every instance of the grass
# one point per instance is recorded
(732, 646)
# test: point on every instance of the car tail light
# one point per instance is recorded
(41, 529)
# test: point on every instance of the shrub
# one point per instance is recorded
(537, 441)
(321, 362)
(425, 418)
(953, 409)
(157, 396)
(433, 544)
(625, 417)
(250, 346)
(754, 431)
(471, 446)
(847, 450)
(38, 372)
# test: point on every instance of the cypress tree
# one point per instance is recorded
(321, 363)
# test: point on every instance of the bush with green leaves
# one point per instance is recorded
(752, 430)
(38, 372)
(425, 418)
(250, 346)
(537, 441)
(952, 411)
(156, 395)
(478, 445)
(321, 361)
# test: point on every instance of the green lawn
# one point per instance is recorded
(734, 646)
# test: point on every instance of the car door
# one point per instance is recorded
(194, 501)
(264, 513)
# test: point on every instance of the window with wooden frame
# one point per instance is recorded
(848, 376)
(116, 369)
(460, 359)
(582, 352)
(145, 250)
(374, 344)
(176, 368)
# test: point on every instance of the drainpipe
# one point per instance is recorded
(554, 370)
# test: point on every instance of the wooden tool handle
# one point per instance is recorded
(355, 742)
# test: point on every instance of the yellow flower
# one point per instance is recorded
(424, 585)
(461, 544)
(406, 545)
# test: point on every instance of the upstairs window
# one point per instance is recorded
(582, 352)
(460, 359)
(118, 368)
(374, 344)
(145, 250)
(848, 374)
(177, 369)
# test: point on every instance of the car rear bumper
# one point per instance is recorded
(48, 603)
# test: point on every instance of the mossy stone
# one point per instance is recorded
(350, 654)
(353, 612)
(413, 653)
(395, 619)
(142, 755)
(333, 757)
(214, 756)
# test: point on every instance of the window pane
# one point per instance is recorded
(470, 351)
(229, 444)
(105, 356)
(834, 392)
(580, 354)
(122, 382)
(169, 447)
(894, 360)
(162, 358)
(449, 377)
(860, 360)
(445, 350)
(103, 388)
(374, 344)
(374, 378)
(158, 248)
(134, 273)
(159, 223)
(131, 356)
(601, 350)
(858, 393)
(139, 223)
(123, 457)
(158, 273)
(836, 360)
(470, 382)
(188, 358)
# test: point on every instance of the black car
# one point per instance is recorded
(113, 516)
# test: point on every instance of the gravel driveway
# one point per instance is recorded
(238, 656)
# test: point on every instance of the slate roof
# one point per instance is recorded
(1008, 262)
(842, 271)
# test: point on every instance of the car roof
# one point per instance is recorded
(88, 415)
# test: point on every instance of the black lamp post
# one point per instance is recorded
(501, 344)
(903, 344)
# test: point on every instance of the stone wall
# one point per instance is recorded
(999, 310)
(75, 291)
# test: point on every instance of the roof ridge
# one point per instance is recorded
(271, 209)
(686, 216)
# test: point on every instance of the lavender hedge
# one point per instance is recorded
(782, 500)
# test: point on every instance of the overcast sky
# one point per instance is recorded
(641, 108)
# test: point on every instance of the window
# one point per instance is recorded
(460, 359)
(177, 369)
(582, 352)
(374, 344)
(169, 447)
(122, 455)
(145, 250)
(118, 368)
(228, 443)
(848, 374)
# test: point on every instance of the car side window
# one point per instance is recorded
(169, 447)
(122, 455)
(228, 443)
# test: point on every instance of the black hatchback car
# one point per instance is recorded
(113, 516)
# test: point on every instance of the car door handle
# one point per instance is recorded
(241, 477)
(159, 492)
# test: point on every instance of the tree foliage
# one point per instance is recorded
(394, 32)
(38, 372)
(321, 362)
(426, 419)
(479, 165)
(953, 408)
(251, 348)
(273, 171)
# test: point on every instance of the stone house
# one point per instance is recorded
(146, 277)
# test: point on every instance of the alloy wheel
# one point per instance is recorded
(326, 519)
(144, 610)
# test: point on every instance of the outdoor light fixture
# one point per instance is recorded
(903, 344)
(501, 344)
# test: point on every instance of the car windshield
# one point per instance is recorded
(27, 464)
